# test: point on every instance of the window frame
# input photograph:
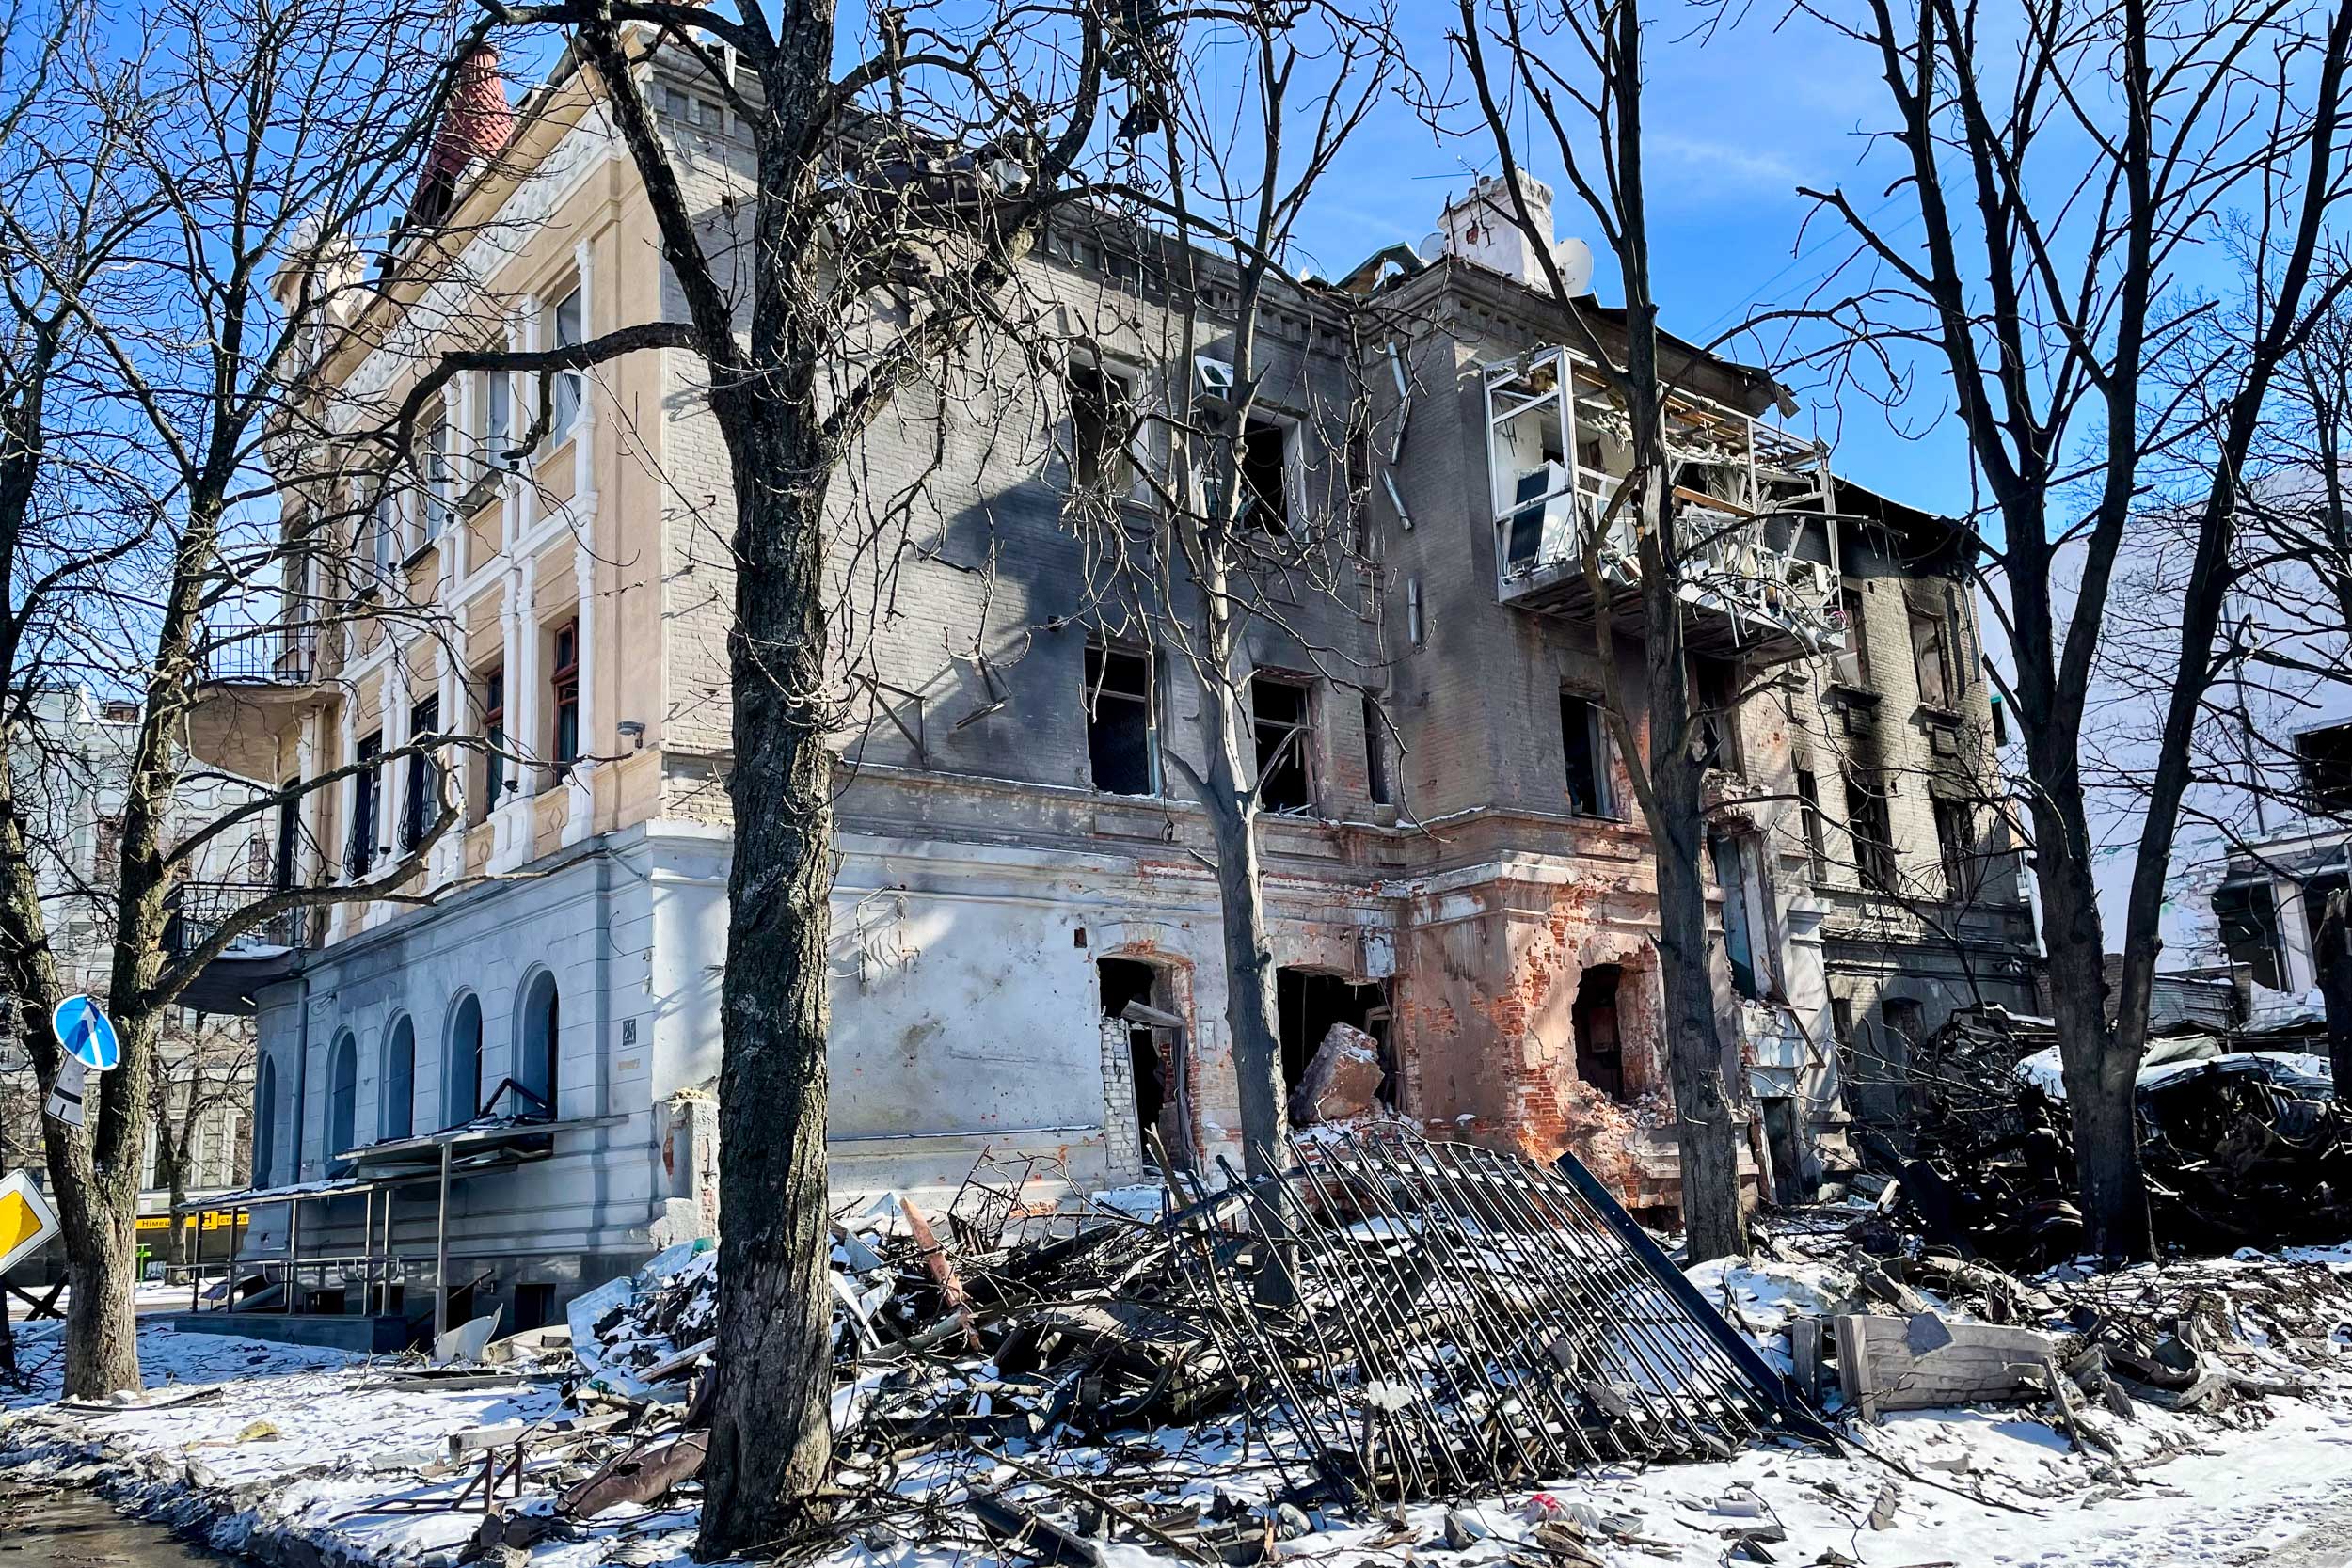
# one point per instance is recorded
(1957, 857)
(1378, 786)
(1600, 758)
(1294, 748)
(1877, 868)
(1938, 634)
(1117, 464)
(367, 806)
(568, 394)
(1251, 513)
(1094, 674)
(492, 696)
(1812, 824)
(496, 440)
(424, 718)
(563, 697)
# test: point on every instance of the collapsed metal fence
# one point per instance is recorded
(1430, 1320)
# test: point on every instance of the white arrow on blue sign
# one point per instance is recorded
(85, 1035)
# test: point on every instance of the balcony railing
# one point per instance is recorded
(275, 654)
(199, 909)
(1754, 536)
(1771, 577)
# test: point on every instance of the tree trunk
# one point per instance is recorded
(1706, 1128)
(176, 1238)
(2331, 949)
(770, 1441)
(2099, 1070)
(1249, 948)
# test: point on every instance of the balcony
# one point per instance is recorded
(257, 956)
(1755, 534)
(199, 909)
(250, 680)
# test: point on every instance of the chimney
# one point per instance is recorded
(1483, 227)
(475, 125)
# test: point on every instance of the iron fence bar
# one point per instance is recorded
(1790, 1406)
(1473, 1295)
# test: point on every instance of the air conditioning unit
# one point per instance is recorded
(1846, 668)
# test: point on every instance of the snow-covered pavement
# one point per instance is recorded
(304, 1456)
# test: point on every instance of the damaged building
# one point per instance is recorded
(502, 1087)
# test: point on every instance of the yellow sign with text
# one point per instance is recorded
(212, 1219)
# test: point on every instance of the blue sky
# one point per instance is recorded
(1735, 124)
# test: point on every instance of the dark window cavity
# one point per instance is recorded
(1584, 744)
(1956, 846)
(1809, 812)
(1122, 735)
(1869, 821)
(1265, 488)
(1100, 423)
(396, 1115)
(1280, 722)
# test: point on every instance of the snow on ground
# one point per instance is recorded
(302, 1454)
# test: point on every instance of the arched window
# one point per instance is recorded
(343, 1098)
(461, 1081)
(396, 1094)
(539, 1042)
(264, 1123)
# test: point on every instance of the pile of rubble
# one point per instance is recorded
(2241, 1147)
(1388, 1320)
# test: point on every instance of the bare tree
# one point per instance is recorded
(876, 230)
(1248, 535)
(2061, 173)
(1573, 71)
(200, 1070)
(157, 181)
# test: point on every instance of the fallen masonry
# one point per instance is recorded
(1401, 1344)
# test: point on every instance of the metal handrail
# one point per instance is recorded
(201, 908)
(275, 653)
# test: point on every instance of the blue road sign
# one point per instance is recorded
(85, 1035)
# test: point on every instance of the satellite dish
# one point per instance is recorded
(1431, 247)
(1575, 259)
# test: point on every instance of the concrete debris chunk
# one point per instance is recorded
(1342, 1079)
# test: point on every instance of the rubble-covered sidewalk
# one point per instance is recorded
(1468, 1368)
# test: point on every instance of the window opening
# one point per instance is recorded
(1738, 940)
(1809, 816)
(1100, 425)
(2248, 917)
(1123, 738)
(423, 773)
(1278, 711)
(569, 384)
(1264, 459)
(493, 734)
(1584, 743)
(1869, 823)
(564, 687)
(1592, 1016)
(367, 804)
(1956, 846)
(1307, 1002)
(285, 862)
(1928, 660)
